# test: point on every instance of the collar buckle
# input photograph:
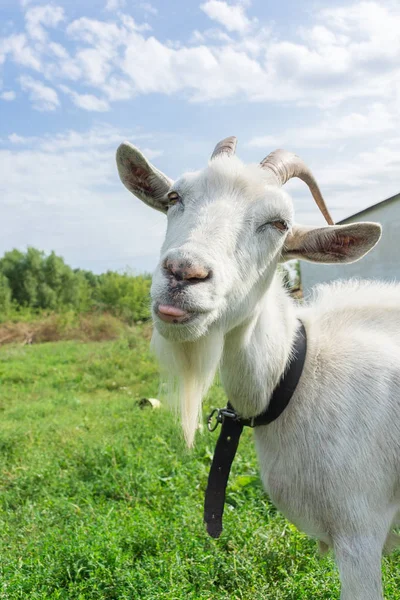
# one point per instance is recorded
(218, 416)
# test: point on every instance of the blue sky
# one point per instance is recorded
(77, 78)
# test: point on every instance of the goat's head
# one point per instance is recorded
(228, 227)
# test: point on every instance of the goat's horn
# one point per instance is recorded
(285, 165)
(226, 146)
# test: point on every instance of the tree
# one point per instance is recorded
(39, 281)
(5, 296)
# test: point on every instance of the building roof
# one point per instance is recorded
(366, 210)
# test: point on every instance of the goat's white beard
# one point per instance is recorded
(188, 369)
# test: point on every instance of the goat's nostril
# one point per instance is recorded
(187, 271)
(171, 267)
(196, 274)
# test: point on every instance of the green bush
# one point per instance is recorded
(33, 283)
(5, 295)
(124, 295)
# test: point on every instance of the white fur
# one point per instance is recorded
(188, 369)
(331, 461)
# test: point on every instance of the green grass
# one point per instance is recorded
(100, 499)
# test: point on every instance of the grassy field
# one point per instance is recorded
(100, 499)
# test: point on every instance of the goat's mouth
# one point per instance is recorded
(181, 323)
(172, 314)
(175, 315)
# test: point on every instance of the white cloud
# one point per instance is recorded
(377, 119)
(216, 35)
(16, 139)
(39, 17)
(18, 48)
(324, 68)
(113, 5)
(100, 137)
(94, 64)
(375, 170)
(43, 97)
(95, 32)
(232, 17)
(86, 101)
(346, 53)
(63, 192)
(148, 8)
(58, 50)
(8, 95)
(62, 155)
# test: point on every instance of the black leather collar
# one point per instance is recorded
(232, 427)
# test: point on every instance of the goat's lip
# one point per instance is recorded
(172, 314)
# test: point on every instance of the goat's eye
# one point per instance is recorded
(281, 225)
(173, 198)
(277, 223)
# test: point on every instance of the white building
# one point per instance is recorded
(382, 262)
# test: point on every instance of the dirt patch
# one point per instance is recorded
(93, 327)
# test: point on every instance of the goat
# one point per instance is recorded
(331, 461)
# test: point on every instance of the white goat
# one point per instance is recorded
(331, 461)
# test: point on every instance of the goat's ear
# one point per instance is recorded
(334, 244)
(141, 178)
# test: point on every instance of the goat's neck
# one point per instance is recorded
(256, 352)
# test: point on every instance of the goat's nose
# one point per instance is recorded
(187, 271)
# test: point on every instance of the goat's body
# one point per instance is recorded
(331, 462)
